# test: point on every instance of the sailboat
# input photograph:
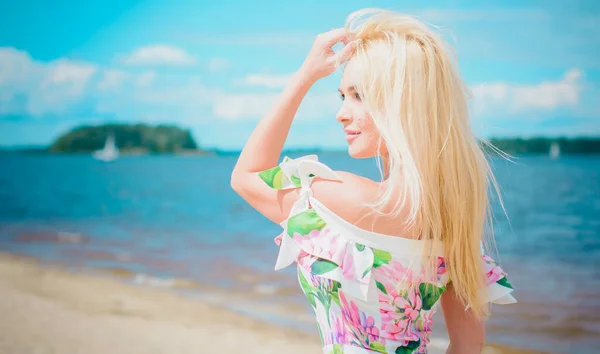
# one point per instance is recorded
(110, 151)
(554, 150)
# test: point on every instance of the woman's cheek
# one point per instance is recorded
(366, 124)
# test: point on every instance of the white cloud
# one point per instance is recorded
(246, 105)
(112, 79)
(36, 88)
(255, 105)
(182, 99)
(265, 80)
(159, 54)
(66, 72)
(498, 98)
(549, 95)
(145, 79)
(14, 65)
(218, 65)
(61, 87)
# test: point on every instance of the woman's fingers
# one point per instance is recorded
(321, 61)
(345, 53)
(332, 37)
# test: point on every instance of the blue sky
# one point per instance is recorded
(533, 67)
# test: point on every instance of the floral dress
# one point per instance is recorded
(368, 290)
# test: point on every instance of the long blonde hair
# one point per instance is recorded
(413, 91)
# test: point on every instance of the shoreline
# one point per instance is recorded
(51, 308)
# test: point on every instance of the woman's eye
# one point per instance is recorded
(356, 96)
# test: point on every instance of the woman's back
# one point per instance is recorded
(350, 198)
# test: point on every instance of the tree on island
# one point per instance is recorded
(128, 138)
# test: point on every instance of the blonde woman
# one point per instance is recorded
(376, 259)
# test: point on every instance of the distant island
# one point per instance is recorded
(545, 145)
(137, 138)
(171, 139)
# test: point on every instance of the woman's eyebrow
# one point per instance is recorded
(350, 89)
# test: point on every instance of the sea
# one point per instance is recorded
(174, 222)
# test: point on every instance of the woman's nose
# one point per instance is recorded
(343, 115)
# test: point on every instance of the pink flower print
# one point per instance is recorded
(424, 323)
(492, 270)
(411, 303)
(305, 239)
(399, 310)
(315, 243)
(347, 265)
(321, 243)
(494, 274)
(441, 266)
(360, 326)
(338, 333)
(394, 275)
(315, 280)
(325, 284)
(278, 240)
(355, 260)
(305, 260)
(423, 327)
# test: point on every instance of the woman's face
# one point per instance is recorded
(361, 134)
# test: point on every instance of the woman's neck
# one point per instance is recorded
(385, 162)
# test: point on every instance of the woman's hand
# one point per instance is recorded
(263, 147)
(322, 61)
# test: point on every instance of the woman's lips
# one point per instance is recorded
(351, 135)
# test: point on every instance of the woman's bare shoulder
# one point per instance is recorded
(348, 198)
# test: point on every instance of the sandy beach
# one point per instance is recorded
(47, 309)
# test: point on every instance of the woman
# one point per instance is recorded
(377, 258)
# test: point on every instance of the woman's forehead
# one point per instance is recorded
(349, 75)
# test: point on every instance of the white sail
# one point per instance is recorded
(554, 150)
(110, 151)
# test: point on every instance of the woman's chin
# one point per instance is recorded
(355, 151)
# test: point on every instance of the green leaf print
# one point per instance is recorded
(272, 177)
(322, 266)
(369, 268)
(381, 287)
(295, 180)
(336, 286)
(320, 332)
(504, 282)
(381, 257)
(337, 349)
(304, 222)
(408, 349)
(308, 289)
(335, 296)
(378, 347)
(359, 247)
(430, 294)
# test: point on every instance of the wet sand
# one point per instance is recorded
(48, 309)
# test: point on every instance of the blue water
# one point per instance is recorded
(176, 217)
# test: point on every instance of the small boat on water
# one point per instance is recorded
(110, 151)
(554, 150)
